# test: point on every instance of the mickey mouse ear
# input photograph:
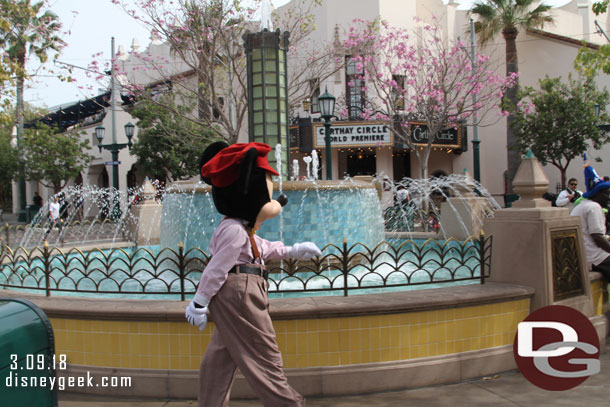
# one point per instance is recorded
(207, 155)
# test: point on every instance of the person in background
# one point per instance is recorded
(402, 197)
(37, 200)
(54, 218)
(78, 206)
(568, 196)
(593, 222)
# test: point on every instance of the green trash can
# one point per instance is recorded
(27, 356)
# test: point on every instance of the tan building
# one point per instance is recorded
(550, 51)
(374, 151)
(86, 115)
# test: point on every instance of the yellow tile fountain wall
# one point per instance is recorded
(303, 342)
(600, 296)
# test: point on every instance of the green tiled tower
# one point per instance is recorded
(267, 93)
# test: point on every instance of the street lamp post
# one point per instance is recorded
(327, 110)
(475, 128)
(114, 148)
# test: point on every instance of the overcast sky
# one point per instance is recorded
(90, 24)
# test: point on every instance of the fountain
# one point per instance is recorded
(322, 212)
(327, 213)
(161, 256)
(412, 338)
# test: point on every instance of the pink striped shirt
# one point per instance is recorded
(229, 246)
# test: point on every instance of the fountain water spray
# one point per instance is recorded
(307, 160)
(315, 164)
(86, 216)
(278, 160)
(266, 10)
(455, 201)
(295, 170)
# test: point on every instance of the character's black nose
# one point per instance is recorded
(282, 199)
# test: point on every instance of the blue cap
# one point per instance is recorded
(593, 181)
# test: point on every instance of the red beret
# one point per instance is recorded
(223, 168)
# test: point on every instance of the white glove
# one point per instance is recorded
(303, 251)
(196, 316)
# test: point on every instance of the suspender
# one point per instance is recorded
(255, 253)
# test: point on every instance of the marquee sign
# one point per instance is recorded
(449, 137)
(354, 134)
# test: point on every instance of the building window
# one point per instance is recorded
(398, 96)
(314, 91)
(354, 79)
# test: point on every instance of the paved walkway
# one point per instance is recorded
(508, 389)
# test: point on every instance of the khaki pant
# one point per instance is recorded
(244, 338)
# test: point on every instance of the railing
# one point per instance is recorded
(167, 273)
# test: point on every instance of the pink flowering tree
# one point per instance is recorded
(204, 64)
(422, 77)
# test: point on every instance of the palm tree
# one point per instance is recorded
(507, 17)
(27, 32)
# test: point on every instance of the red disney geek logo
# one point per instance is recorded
(557, 348)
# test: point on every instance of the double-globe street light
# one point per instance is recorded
(327, 110)
(114, 148)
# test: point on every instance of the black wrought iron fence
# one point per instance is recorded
(168, 273)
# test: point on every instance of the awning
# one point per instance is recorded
(67, 116)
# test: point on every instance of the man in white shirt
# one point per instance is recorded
(593, 223)
(567, 197)
(54, 219)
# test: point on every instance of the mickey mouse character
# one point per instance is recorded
(233, 285)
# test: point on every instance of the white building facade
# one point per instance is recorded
(550, 51)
